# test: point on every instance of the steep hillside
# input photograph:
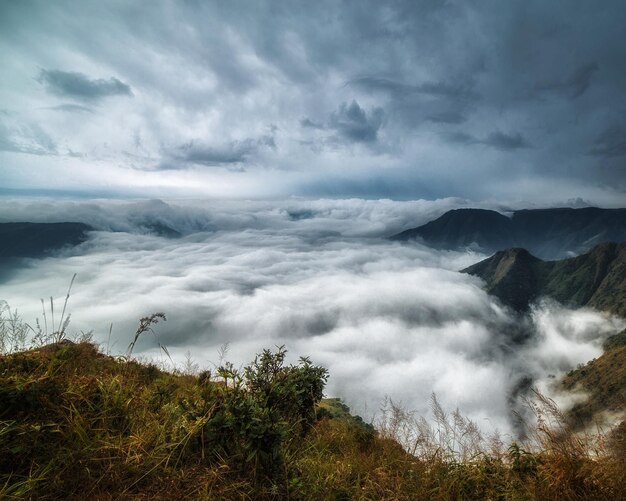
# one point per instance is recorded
(546, 233)
(37, 239)
(77, 424)
(604, 381)
(596, 279)
(511, 275)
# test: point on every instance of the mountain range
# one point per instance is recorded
(596, 279)
(36, 240)
(545, 233)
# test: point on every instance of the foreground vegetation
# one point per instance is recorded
(76, 423)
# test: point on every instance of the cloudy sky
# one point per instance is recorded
(519, 100)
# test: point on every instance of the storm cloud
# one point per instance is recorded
(229, 154)
(80, 86)
(504, 141)
(353, 124)
(497, 139)
(575, 85)
(611, 142)
(363, 95)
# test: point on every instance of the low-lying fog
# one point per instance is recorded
(317, 276)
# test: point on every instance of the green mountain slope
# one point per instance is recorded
(603, 380)
(596, 279)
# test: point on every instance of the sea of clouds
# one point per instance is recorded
(318, 276)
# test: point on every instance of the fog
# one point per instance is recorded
(318, 276)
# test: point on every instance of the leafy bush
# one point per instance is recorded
(84, 418)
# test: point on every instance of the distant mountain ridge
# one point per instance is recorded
(35, 240)
(596, 279)
(546, 233)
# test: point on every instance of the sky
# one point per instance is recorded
(519, 100)
(285, 141)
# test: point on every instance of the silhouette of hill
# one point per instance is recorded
(19, 240)
(546, 233)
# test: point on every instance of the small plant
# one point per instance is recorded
(145, 325)
(13, 331)
(43, 336)
(294, 390)
(450, 437)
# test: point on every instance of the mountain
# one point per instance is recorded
(511, 275)
(37, 239)
(76, 423)
(464, 228)
(603, 380)
(596, 279)
(546, 233)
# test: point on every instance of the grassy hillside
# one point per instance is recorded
(604, 381)
(511, 276)
(596, 279)
(77, 424)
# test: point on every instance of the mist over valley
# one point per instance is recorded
(388, 319)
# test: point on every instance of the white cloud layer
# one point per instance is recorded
(315, 275)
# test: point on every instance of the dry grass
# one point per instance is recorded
(77, 424)
(604, 380)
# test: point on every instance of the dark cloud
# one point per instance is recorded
(381, 84)
(497, 139)
(80, 86)
(447, 117)
(576, 84)
(506, 142)
(354, 124)
(400, 90)
(413, 104)
(230, 154)
(546, 74)
(461, 138)
(610, 143)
